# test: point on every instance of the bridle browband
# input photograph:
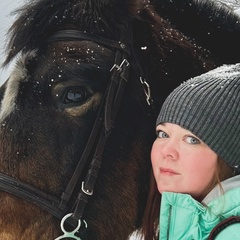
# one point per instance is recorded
(96, 143)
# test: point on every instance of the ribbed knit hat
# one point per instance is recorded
(209, 106)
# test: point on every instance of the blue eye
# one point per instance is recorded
(161, 134)
(192, 140)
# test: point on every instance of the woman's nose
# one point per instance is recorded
(169, 149)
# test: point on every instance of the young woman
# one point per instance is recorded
(196, 160)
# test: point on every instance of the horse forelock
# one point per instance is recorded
(18, 75)
(37, 20)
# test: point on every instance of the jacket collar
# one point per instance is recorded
(227, 185)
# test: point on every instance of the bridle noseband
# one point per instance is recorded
(72, 215)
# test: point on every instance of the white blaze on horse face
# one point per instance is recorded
(18, 75)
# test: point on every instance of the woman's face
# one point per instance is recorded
(181, 162)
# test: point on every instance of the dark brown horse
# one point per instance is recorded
(78, 111)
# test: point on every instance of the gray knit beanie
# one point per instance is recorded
(209, 107)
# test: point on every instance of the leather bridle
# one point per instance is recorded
(103, 123)
(60, 207)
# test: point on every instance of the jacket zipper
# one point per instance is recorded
(169, 220)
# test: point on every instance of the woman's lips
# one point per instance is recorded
(168, 171)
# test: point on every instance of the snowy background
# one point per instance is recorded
(6, 6)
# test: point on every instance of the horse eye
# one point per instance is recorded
(77, 95)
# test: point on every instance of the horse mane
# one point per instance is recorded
(207, 22)
(191, 17)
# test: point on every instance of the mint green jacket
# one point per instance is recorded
(183, 218)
